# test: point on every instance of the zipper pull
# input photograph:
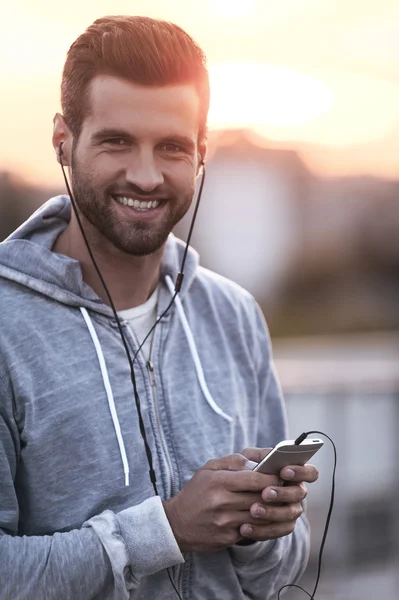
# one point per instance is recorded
(151, 371)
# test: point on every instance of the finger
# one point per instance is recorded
(297, 473)
(244, 500)
(287, 494)
(268, 531)
(246, 481)
(233, 462)
(275, 514)
(256, 454)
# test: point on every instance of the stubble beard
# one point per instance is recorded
(137, 239)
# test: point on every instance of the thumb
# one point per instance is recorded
(233, 462)
(256, 454)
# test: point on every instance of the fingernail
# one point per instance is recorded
(288, 474)
(270, 495)
(246, 530)
(260, 512)
(250, 465)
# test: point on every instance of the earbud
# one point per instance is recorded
(60, 155)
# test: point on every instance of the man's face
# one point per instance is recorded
(135, 163)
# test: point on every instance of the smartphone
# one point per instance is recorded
(288, 453)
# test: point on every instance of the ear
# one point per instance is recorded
(62, 140)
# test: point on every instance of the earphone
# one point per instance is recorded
(178, 285)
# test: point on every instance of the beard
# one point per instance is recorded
(137, 238)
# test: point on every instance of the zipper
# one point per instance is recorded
(167, 460)
(179, 579)
(151, 372)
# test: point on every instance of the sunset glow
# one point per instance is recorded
(319, 77)
(233, 8)
(250, 94)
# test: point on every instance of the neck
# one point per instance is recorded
(130, 279)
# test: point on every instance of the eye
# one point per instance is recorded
(172, 148)
(115, 141)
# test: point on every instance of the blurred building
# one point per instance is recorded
(318, 254)
(250, 226)
(348, 387)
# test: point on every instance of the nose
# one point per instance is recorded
(144, 171)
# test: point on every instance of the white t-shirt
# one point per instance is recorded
(141, 319)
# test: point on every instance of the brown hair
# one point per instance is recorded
(139, 49)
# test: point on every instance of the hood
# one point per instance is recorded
(26, 257)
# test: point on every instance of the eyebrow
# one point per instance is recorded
(104, 133)
(110, 132)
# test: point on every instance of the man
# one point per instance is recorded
(79, 518)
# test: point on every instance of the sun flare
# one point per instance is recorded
(233, 8)
(251, 94)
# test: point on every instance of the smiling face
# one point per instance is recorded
(135, 163)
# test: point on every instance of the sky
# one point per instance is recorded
(319, 76)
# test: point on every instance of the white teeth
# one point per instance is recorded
(136, 204)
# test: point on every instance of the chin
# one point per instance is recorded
(140, 248)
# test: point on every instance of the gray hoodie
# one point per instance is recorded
(78, 515)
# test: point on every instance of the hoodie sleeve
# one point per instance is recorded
(105, 558)
(264, 567)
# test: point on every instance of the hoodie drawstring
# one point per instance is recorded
(104, 372)
(194, 353)
(110, 396)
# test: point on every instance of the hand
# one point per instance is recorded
(280, 507)
(206, 515)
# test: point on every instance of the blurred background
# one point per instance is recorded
(301, 207)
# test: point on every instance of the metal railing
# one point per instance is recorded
(348, 387)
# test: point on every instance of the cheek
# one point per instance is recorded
(104, 177)
(182, 175)
(110, 166)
